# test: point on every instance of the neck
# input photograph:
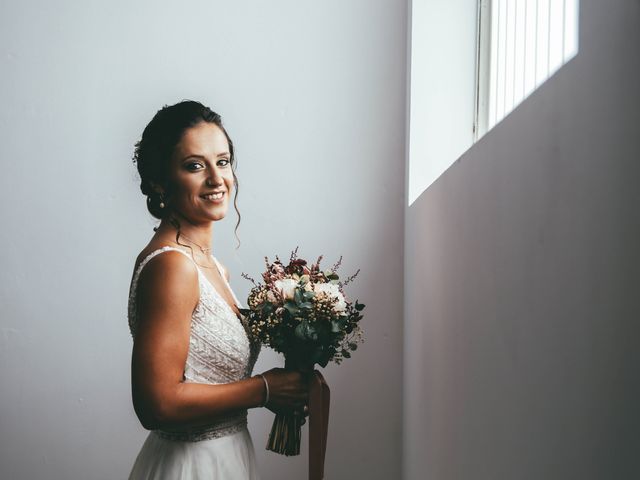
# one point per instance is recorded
(198, 234)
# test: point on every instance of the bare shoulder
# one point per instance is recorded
(151, 247)
(169, 274)
(154, 245)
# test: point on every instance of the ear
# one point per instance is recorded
(157, 188)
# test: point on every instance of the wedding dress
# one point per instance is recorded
(221, 350)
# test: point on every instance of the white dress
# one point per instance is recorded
(221, 350)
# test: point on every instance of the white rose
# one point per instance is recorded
(287, 286)
(340, 305)
(332, 290)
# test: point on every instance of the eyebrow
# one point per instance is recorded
(223, 154)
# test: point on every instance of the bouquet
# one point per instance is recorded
(302, 312)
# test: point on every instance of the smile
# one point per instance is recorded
(217, 197)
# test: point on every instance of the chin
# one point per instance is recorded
(217, 216)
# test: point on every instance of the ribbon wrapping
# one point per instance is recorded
(319, 396)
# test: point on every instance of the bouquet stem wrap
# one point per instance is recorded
(319, 396)
(286, 431)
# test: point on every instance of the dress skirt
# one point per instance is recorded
(229, 457)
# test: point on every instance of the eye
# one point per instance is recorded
(191, 166)
(225, 160)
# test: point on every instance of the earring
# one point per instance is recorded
(161, 201)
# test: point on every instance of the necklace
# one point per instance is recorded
(205, 266)
(204, 250)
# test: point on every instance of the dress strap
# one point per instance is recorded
(134, 283)
(153, 254)
(225, 281)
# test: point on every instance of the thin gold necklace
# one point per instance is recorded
(204, 266)
(204, 250)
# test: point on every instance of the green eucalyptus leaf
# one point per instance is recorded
(300, 331)
(291, 308)
(305, 331)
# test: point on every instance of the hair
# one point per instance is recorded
(153, 153)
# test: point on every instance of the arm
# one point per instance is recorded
(167, 294)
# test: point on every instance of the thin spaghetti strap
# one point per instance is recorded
(225, 281)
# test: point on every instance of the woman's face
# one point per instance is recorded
(201, 165)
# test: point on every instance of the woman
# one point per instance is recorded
(193, 355)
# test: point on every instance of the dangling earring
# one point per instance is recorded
(161, 201)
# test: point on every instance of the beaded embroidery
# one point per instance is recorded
(221, 349)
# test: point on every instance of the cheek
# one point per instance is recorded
(186, 192)
(187, 185)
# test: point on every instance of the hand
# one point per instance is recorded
(288, 391)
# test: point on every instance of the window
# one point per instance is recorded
(521, 43)
(473, 62)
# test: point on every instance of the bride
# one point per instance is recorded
(193, 355)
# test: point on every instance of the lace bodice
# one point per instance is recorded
(221, 348)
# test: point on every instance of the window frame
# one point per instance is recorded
(543, 47)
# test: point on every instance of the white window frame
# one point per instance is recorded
(481, 109)
(550, 44)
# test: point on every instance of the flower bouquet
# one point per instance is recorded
(302, 312)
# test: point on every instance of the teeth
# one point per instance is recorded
(214, 197)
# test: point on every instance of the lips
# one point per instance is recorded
(213, 196)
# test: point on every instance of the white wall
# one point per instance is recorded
(313, 96)
(442, 71)
(522, 277)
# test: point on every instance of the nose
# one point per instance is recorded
(214, 178)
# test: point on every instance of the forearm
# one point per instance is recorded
(195, 404)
